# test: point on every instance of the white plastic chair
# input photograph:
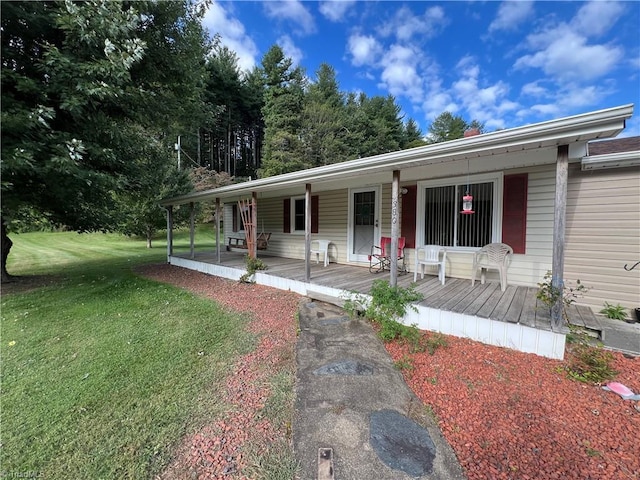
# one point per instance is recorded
(429, 255)
(321, 247)
(494, 256)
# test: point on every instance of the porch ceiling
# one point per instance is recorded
(517, 144)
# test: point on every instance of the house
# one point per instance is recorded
(531, 187)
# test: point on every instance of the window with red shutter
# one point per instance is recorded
(514, 212)
(408, 221)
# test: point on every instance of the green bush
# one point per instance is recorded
(615, 312)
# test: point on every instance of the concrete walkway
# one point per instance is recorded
(356, 419)
(621, 336)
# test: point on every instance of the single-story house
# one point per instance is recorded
(549, 190)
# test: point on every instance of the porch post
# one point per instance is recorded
(395, 188)
(254, 221)
(192, 228)
(307, 233)
(169, 232)
(560, 207)
(218, 228)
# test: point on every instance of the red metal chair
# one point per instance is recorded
(380, 256)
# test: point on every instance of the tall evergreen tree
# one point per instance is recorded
(282, 112)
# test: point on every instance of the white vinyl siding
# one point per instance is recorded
(603, 235)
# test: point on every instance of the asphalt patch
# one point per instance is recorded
(401, 443)
(347, 367)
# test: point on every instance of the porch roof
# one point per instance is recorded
(574, 131)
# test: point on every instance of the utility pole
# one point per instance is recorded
(177, 147)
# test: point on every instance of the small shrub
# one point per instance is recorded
(615, 312)
(404, 363)
(253, 265)
(435, 341)
(589, 363)
(550, 294)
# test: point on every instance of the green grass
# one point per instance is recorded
(103, 372)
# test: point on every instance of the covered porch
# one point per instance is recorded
(514, 318)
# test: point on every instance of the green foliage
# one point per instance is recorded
(386, 306)
(404, 363)
(447, 127)
(391, 303)
(253, 265)
(91, 95)
(588, 363)
(549, 294)
(615, 312)
(435, 341)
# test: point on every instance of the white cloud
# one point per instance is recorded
(487, 103)
(294, 11)
(290, 49)
(364, 49)
(400, 72)
(233, 35)
(405, 25)
(534, 89)
(335, 10)
(596, 18)
(566, 56)
(511, 14)
(437, 101)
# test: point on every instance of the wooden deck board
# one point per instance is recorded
(514, 312)
(516, 304)
(528, 314)
(490, 304)
(506, 299)
(453, 296)
(486, 291)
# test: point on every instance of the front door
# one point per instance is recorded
(364, 213)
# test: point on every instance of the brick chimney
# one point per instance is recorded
(472, 132)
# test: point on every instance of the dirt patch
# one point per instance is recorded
(24, 284)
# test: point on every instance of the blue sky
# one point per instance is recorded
(503, 63)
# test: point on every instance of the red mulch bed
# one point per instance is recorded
(512, 415)
(507, 415)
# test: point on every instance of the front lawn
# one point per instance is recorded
(103, 371)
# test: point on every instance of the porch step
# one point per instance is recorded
(323, 297)
(583, 318)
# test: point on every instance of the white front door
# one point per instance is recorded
(364, 221)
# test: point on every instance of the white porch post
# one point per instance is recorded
(395, 189)
(218, 228)
(192, 228)
(307, 233)
(169, 232)
(560, 207)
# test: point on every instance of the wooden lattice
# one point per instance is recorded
(246, 207)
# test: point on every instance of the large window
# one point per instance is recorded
(445, 225)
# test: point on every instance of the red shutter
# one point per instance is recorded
(314, 213)
(286, 218)
(408, 221)
(234, 214)
(514, 212)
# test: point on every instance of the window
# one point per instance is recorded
(445, 225)
(298, 214)
(294, 211)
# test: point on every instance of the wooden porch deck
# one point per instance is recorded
(516, 305)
